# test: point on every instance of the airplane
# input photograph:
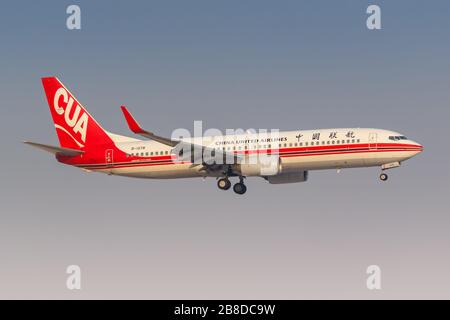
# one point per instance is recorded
(284, 157)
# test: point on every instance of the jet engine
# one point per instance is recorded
(260, 165)
(289, 177)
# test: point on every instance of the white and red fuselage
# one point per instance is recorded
(85, 144)
(151, 159)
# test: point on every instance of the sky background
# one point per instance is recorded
(233, 64)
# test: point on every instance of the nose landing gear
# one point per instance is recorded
(387, 166)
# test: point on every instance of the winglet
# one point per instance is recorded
(136, 128)
(132, 123)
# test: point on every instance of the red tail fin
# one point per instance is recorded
(75, 127)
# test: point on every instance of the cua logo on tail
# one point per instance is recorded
(76, 120)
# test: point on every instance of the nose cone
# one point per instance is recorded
(414, 149)
(417, 146)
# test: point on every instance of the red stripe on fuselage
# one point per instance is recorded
(287, 153)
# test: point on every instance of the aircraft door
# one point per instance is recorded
(373, 141)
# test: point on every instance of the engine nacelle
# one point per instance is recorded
(288, 177)
(260, 165)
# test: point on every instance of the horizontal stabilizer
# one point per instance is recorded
(56, 150)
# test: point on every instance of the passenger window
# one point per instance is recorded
(306, 144)
(353, 140)
(167, 152)
(333, 142)
(301, 144)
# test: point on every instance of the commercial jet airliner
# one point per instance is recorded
(283, 157)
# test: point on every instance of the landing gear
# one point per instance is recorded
(224, 184)
(239, 188)
(387, 166)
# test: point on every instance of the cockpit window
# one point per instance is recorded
(397, 138)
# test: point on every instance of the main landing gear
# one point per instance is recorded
(239, 188)
(383, 177)
(225, 184)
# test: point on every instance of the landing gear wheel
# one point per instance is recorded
(239, 188)
(224, 184)
(383, 177)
